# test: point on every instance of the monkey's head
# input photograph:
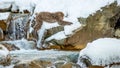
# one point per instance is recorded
(59, 15)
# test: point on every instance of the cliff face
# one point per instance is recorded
(100, 24)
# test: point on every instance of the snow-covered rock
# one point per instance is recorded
(5, 6)
(23, 6)
(98, 25)
(4, 55)
(104, 52)
(3, 51)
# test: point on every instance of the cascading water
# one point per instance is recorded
(17, 27)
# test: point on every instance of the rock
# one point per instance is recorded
(4, 56)
(3, 51)
(5, 6)
(95, 66)
(82, 21)
(58, 64)
(117, 33)
(5, 20)
(70, 65)
(53, 30)
(1, 35)
(10, 47)
(100, 24)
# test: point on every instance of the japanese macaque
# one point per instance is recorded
(50, 18)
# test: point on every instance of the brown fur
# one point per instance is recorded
(50, 18)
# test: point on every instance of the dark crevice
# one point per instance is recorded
(117, 24)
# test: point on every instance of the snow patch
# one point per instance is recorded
(103, 51)
(3, 51)
(58, 36)
(4, 16)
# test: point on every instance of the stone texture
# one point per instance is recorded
(5, 20)
(101, 24)
(1, 35)
(10, 47)
(53, 30)
(4, 56)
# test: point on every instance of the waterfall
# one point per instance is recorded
(17, 27)
(41, 33)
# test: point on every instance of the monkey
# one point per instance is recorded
(50, 18)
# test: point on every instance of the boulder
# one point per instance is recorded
(10, 47)
(4, 20)
(5, 6)
(53, 30)
(98, 25)
(4, 56)
(95, 66)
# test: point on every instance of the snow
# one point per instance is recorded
(3, 51)
(58, 36)
(24, 5)
(76, 8)
(5, 5)
(4, 16)
(103, 51)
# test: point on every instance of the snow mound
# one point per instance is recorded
(3, 51)
(23, 5)
(4, 16)
(103, 52)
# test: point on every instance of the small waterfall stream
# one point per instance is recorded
(17, 27)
